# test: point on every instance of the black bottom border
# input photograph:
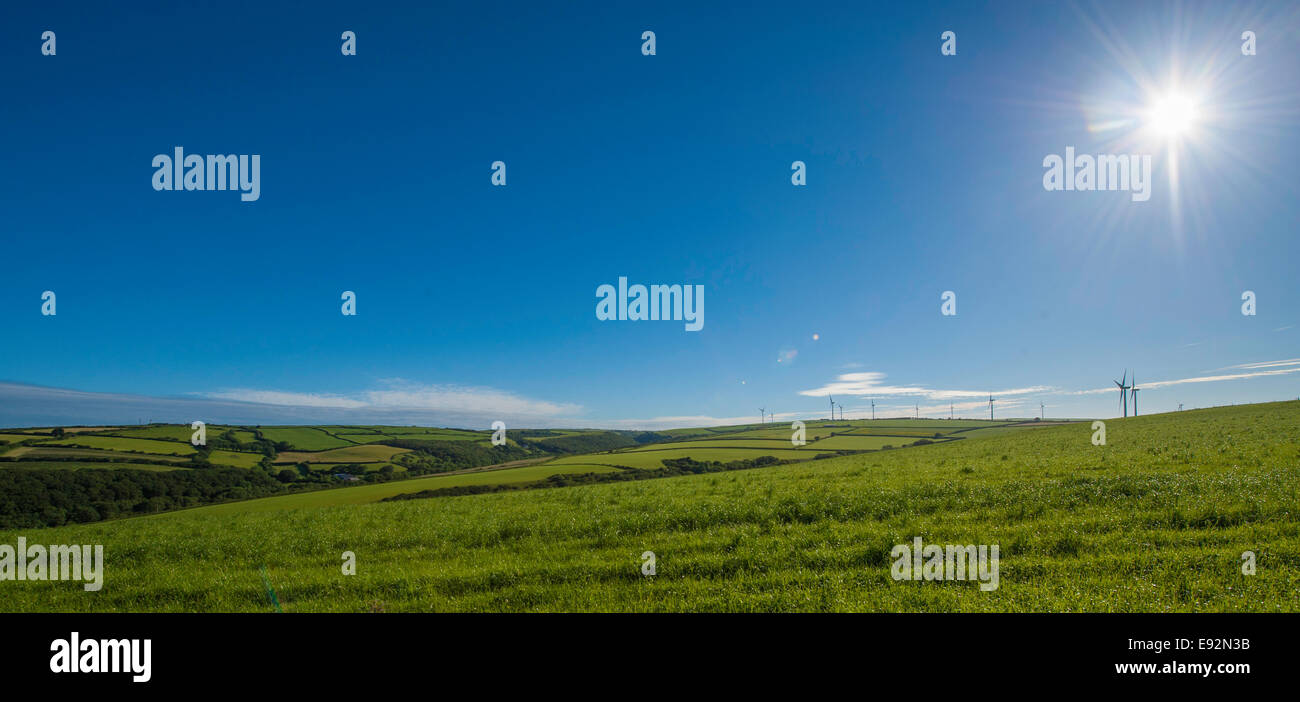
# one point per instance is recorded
(943, 653)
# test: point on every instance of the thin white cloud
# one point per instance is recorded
(936, 410)
(868, 384)
(1202, 379)
(1264, 364)
(681, 422)
(1095, 391)
(407, 396)
(286, 399)
(466, 399)
(401, 405)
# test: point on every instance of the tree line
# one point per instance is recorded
(51, 497)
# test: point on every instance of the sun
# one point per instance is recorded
(1172, 115)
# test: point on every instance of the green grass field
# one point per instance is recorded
(354, 439)
(348, 454)
(176, 432)
(827, 443)
(304, 438)
(918, 428)
(112, 443)
(77, 465)
(61, 452)
(1156, 520)
(864, 443)
(128, 448)
(366, 435)
(752, 444)
(365, 494)
(654, 459)
(238, 459)
(353, 467)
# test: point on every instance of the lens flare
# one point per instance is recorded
(1172, 115)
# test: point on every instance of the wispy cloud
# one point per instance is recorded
(398, 404)
(685, 421)
(979, 407)
(285, 399)
(869, 384)
(1209, 378)
(1265, 364)
(401, 395)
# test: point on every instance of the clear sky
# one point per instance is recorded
(924, 174)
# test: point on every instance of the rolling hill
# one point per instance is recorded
(1158, 519)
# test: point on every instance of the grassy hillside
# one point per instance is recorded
(36, 489)
(347, 454)
(365, 494)
(1156, 520)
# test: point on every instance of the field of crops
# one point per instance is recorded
(1155, 520)
(304, 438)
(374, 493)
(353, 467)
(112, 443)
(751, 442)
(348, 454)
(54, 453)
(238, 459)
(655, 459)
(78, 465)
(176, 432)
(371, 434)
(717, 443)
(358, 449)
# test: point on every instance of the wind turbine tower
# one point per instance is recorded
(762, 415)
(1134, 389)
(991, 401)
(1123, 392)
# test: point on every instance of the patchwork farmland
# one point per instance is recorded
(331, 461)
(1155, 520)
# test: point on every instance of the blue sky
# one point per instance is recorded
(475, 302)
